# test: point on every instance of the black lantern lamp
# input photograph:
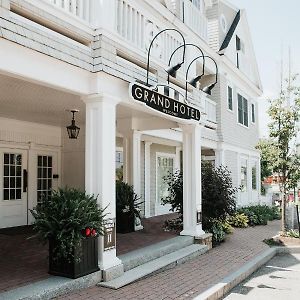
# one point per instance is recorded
(170, 59)
(73, 130)
(171, 70)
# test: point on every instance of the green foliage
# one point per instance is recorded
(239, 220)
(271, 242)
(293, 233)
(260, 214)
(63, 217)
(227, 228)
(268, 153)
(126, 199)
(175, 188)
(218, 232)
(218, 194)
(284, 126)
(173, 225)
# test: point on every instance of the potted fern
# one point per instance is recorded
(127, 207)
(71, 222)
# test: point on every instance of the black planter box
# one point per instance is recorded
(72, 269)
(125, 222)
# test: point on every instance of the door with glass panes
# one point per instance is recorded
(13, 187)
(43, 177)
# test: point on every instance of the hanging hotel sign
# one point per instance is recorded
(162, 103)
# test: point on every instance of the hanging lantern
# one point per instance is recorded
(73, 130)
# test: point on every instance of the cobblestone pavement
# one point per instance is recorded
(277, 280)
(190, 279)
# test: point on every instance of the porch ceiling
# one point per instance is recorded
(27, 101)
(31, 102)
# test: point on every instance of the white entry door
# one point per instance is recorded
(44, 176)
(164, 167)
(13, 187)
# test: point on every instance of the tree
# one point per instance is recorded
(285, 115)
(268, 153)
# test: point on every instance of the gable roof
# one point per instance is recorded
(231, 31)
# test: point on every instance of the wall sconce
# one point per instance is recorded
(72, 129)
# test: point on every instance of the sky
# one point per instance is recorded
(274, 26)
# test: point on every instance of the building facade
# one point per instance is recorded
(59, 55)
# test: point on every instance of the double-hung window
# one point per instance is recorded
(242, 110)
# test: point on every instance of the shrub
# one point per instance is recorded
(227, 228)
(293, 233)
(64, 216)
(217, 232)
(260, 214)
(175, 187)
(218, 194)
(126, 199)
(239, 220)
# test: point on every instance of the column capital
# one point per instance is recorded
(191, 127)
(101, 98)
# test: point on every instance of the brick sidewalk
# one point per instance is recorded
(190, 279)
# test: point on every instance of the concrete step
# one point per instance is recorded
(158, 264)
(140, 256)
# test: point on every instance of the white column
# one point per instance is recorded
(258, 178)
(192, 198)
(100, 162)
(177, 158)
(220, 157)
(132, 161)
(147, 179)
(249, 180)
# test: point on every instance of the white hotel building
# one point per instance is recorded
(58, 55)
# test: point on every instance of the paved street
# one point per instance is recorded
(278, 279)
(190, 279)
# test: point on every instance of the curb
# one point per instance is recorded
(229, 282)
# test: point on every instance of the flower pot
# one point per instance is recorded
(88, 253)
(125, 222)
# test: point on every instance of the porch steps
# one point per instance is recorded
(157, 265)
(140, 256)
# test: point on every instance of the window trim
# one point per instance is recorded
(230, 86)
(253, 113)
(237, 115)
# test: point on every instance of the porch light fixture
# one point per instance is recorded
(170, 59)
(209, 88)
(72, 129)
(171, 70)
(194, 81)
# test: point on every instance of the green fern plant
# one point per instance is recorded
(64, 216)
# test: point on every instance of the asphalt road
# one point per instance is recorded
(279, 279)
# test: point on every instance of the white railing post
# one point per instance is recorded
(103, 14)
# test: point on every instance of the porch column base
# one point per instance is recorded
(196, 231)
(113, 272)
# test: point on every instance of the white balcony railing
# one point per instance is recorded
(194, 17)
(78, 8)
(139, 29)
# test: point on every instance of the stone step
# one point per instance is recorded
(158, 264)
(140, 256)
